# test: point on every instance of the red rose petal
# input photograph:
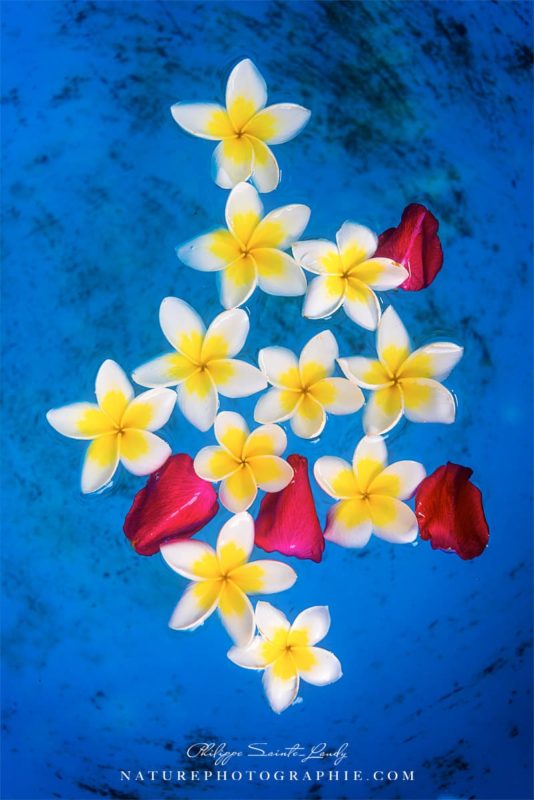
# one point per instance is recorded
(449, 511)
(174, 504)
(287, 521)
(414, 244)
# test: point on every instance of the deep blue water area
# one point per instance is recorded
(411, 102)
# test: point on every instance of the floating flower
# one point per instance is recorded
(450, 513)
(223, 578)
(370, 495)
(250, 252)
(403, 382)
(174, 504)
(120, 426)
(245, 128)
(415, 244)
(244, 461)
(287, 653)
(202, 365)
(303, 388)
(347, 273)
(287, 520)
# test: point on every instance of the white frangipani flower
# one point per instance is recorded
(223, 578)
(347, 274)
(249, 252)
(370, 495)
(120, 426)
(287, 653)
(303, 388)
(245, 128)
(203, 365)
(403, 382)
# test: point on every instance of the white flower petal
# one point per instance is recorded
(243, 211)
(278, 273)
(281, 227)
(318, 358)
(270, 620)
(324, 296)
(319, 256)
(335, 476)
(280, 366)
(309, 418)
(235, 541)
(206, 120)
(392, 342)
(238, 282)
(276, 405)
(370, 457)
(101, 461)
(426, 400)
(198, 400)
(310, 626)
(338, 395)
(182, 326)
(265, 170)
(383, 410)
(361, 305)
(237, 614)
(278, 123)
(113, 390)
(191, 559)
(226, 335)
(436, 360)
(356, 243)
(197, 603)
(251, 657)
(235, 378)
(238, 491)
(231, 431)
(80, 421)
(399, 480)
(281, 692)
(271, 473)
(150, 410)
(366, 372)
(348, 523)
(264, 577)
(214, 464)
(168, 370)
(246, 93)
(232, 162)
(325, 668)
(142, 452)
(266, 440)
(392, 520)
(380, 273)
(210, 252)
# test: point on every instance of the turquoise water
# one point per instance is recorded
(425, 102)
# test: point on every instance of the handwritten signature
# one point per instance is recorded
(221, 755)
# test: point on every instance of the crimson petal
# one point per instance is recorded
(449, 511)
(287, 521)
(174, 504)
(414, 244)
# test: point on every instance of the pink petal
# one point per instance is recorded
(174, 504)
(287, 521)
(414, 244)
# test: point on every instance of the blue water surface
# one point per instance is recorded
(410, 101)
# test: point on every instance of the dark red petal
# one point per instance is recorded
(174, 504)
(287, 521)
(416, 245)
(449, 511)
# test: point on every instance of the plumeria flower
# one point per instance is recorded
(370, 495)
(203, 365)
(347, 274)
(120, 426)
(303, 388)
(287, 653)
(245, 128)
(223, 578)
(244, 461)
(403, 382)
(250, 252)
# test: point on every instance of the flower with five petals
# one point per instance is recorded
(303, 388)
(244, 461)
(370, 495)
(403, 382)
(120, 426)
(250, 251)
(203, 365)
(287, 653)
(223, 578)
(245, 128)
(347, 274)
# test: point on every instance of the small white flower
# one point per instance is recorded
(287, 653)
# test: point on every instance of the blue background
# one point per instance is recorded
(424, 102)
